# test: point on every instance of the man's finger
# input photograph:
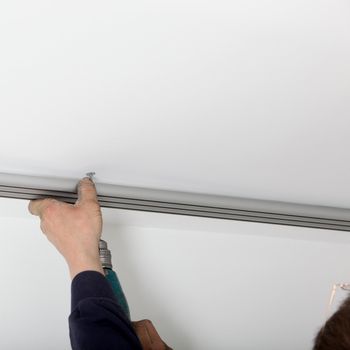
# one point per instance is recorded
(37, 206)
(86, 191)
(142, 333)
(152, 332)
(148, 335)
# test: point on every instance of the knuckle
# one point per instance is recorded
(50, 207)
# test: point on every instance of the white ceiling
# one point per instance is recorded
(246, 98)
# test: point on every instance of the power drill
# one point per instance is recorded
(106, 261)
(152, 340)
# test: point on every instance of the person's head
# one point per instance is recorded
(335, 334)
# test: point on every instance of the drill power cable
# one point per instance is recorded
(180, 203)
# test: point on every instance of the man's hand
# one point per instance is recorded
(74, 230)
(149, 337)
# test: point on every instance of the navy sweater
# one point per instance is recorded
(97, 322)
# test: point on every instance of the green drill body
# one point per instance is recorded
(112, 278)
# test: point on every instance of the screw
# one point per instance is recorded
(91, 175)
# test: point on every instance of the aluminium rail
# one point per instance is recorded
(180, 203)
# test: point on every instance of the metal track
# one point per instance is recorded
(181, 203)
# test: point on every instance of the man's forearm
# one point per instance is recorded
(84, 262)
(97, 321)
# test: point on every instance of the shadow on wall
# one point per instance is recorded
(142, 302)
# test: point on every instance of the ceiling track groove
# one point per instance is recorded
(166, 207)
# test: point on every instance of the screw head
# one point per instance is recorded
(90, 174)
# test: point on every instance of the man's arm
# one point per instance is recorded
(96, 321)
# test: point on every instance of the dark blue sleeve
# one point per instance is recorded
(97, 322)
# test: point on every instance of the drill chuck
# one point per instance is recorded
(105, 255)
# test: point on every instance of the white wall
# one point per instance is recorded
(229, 285)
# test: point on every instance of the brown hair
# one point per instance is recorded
(335, 334)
